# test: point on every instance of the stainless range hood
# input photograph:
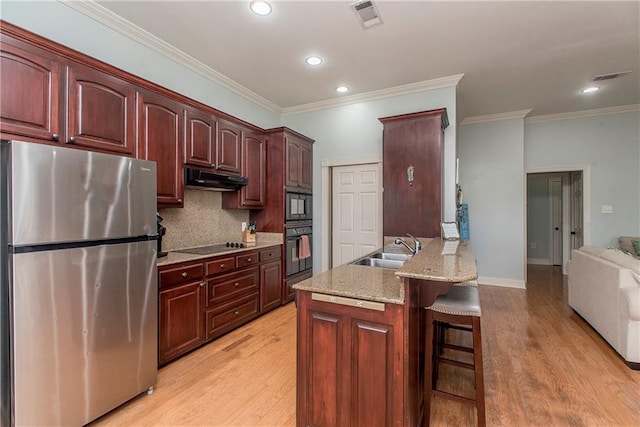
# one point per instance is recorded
(203, 180)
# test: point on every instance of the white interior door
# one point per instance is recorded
(356, 211)
(556, 220)
(576, 210)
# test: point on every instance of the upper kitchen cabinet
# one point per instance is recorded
(412, 152)
(251, 196)
(160, 138)
(200, 144)
(100, 112)
(229, 148)
(30, 98)
(299, 162)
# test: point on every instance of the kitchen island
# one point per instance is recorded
(361, 336)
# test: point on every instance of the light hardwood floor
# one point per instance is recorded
(543, 366)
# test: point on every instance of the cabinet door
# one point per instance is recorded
(270, 285)
(350, 366)
(254, 162)
(181, 323)
(292, 163)
(29, 93)
(200, 145)
(100, 111)
(306, 166)
(160, 139)
(229, 148)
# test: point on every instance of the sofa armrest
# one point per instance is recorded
(632, 297)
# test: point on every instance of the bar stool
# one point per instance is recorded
(460, 306)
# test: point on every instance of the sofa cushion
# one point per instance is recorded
(625, 243)
(636, 246)
(622, 259)
(593, 250)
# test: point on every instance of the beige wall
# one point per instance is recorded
(201, 222)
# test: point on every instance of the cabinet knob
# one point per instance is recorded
(55, 136)
(270, 254)
(221, 265)
(72, 140)
(248, 259)
(202, 284)
(236, 284)
(184, 274)
(236, 313)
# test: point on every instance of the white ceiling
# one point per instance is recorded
(514, 55)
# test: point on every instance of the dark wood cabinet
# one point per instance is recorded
(350, 364)
(254, 163)
(270, 286)
(30, 98)
(298, 163)
(413, 141)
(200, 142)
(160, 138)
(100, 111)
(181, 320)
(229, 148)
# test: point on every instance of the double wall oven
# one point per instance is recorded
(298, 234)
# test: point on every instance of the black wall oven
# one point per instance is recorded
(296, 260)
(298, 206)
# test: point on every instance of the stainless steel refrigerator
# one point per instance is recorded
(78, 297)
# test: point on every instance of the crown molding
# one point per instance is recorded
(583, 114)
(439, 83)
(520, 114)
(109, 19)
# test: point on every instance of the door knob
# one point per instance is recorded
(557, 229)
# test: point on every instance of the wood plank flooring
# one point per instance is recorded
(543, 366)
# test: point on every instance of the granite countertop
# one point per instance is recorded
(178, 257)
(387, 285)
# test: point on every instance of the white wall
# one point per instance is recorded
(353, 131)
(610, 144)
(62, 24)
(492, 180)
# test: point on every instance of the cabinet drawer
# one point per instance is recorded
(231, 315)
(221, 265)
(181, 274)
(270, 254)
(245, 260)
(230, 286)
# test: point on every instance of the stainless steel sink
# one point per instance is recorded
(391, 255)
(379, 262)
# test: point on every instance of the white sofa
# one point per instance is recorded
(604, 289)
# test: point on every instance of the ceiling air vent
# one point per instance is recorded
(610, 76)
(367, 13)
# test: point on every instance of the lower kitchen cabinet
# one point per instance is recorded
(350, 364)
(181, 322)
(204, 299)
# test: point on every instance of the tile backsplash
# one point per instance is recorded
(201, 222)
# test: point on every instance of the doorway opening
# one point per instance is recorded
(558, 219)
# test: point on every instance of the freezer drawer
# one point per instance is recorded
(84, 331)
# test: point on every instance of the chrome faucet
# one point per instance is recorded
(416, 243)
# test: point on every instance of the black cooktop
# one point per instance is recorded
(213, 249)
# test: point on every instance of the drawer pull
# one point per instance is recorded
(236, 313)
(248, 259)
(270, 254)
(236, 284)
(221, 265)
(184, 274)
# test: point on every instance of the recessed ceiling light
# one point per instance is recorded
(314, 60)
(342, 89)
(260, 7)
(590, 89)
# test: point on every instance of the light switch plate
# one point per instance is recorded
(607, 209)
(244, 226)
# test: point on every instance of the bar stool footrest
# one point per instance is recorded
(455, 397)
(456, 363)
(457, 347)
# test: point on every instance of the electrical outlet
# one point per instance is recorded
(533, 246)
(606, 209)
(244, 226)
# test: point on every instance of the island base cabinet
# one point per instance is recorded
(350, 364)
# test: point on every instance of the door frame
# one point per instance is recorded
(326, 195)
(586, 203)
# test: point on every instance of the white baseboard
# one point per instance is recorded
(499, 281)
(539, 261)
